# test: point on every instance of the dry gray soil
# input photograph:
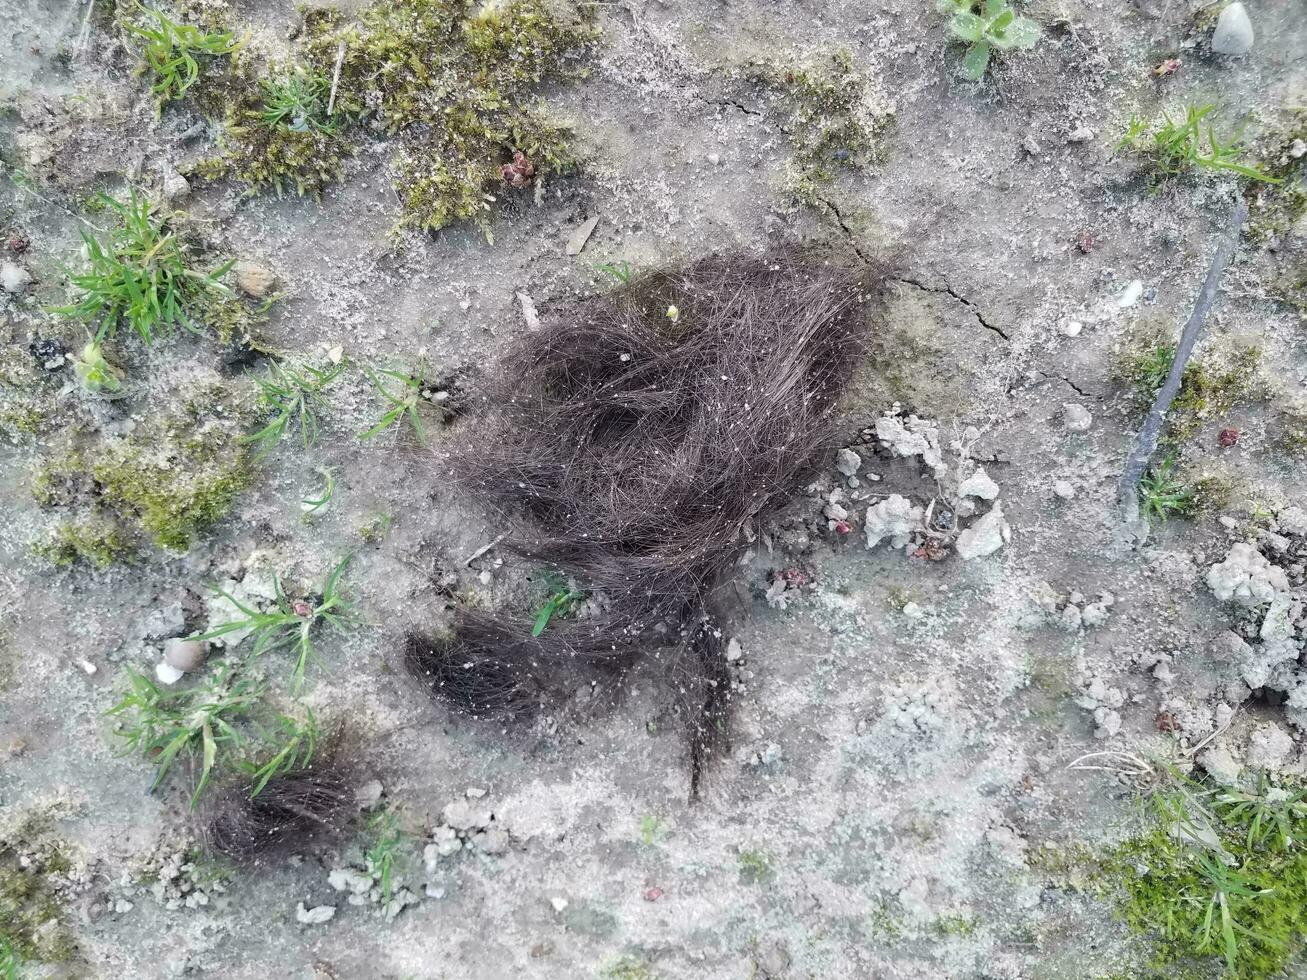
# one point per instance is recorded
(904, 725)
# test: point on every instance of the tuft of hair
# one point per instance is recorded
(294, 809)
(632, 440)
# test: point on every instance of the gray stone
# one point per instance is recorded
(175, 186)
(577, 239)
(315, 916)
(184, 655)
(979, 485)
(986, 536)
(492, 840)
(1063, 490)
(14, 278)
(1220, 765)
(848, 462)
(895, 518)
(461, 815)
(1234, 31)
(1076, 418)
(253, 279)
(1269, 746)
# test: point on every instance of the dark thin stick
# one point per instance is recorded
(1146, 442)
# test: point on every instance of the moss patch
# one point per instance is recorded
(98, 543)
(831, 114)
(172, 482)
(33, 920)
(1212, 384)
(449, 81)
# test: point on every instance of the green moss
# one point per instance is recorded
(831, 114)
(755, 867)
(176, 479)
(450, 80)
(1210, 387)
(1217, 876)
(32, 917)
(1289, 429)
(955, 925)
(1279, 207)
(627, 968)
(98, 543)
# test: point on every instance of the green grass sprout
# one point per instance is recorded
(170, 53)
(1176, 145)
(140, 274)
(291, 394)
(296, 752)
(164, 725)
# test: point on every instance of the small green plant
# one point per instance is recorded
(311, 506)
(140, 274)
(1176, 145)
(1162, 494)
(171, 50)
(297, 101)
(1218, 873)
(95, 373)
(291, 394)
(290, 623)
(620, 271)
(406, 401)
(561, 602)
(755, 867)
(10, 961)
(382, 855)
(986, 25)
(165, 725)
(296, 752)
(652, 830)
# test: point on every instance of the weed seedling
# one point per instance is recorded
(301, 742)
(755, 867)
(291, 394)
(290, 623)
(382, 856)
(312, 505)
(985, 25)
(1176, 146)
(620, 271)
(560, 603)
(404, 402)
(1162, 494)
(96, 373)
(652, 830)
(166, 724)
(140, 274)
(170, 53)
(297, 101)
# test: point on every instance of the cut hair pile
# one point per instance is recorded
(632, 443)
(294, 808)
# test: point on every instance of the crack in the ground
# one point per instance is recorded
(733, 104)
(946, 288)
(1045, 376)
(848, 232)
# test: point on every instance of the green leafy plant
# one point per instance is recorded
(312, 505)
(96, 373)
(297, 101)
(296, 752)
(621, 271)
(10, 961)
(1162, 494)
(406, 401)
(170, 52)
(563, 599)
(382, 855)
(291, 394)
(986, 25)
(165, 725)
(1218, 872)
(1176, 145)
(291, 623)
(652, 830)
(140, 274)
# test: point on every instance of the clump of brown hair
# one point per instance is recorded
(640, 433)
(292, 810)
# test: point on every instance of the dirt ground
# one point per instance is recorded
(904, 726)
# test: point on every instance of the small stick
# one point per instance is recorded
(335, 78)
(483, 549)
(1146, 441)
(84, 35)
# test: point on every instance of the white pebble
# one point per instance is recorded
(1131, 294)
(87, 666)
(1233, 34)
(168, 674)
(1072, 328)
(1076, 417)
(558, 902)
(1064, 490)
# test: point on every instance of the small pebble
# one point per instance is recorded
(253, 279)
(558, 902)
(13, 277)
(1233, 34)
(715, 159)
(315, 916)
(1131, 295)
(167, 674)
(184, 655)
(87, 666)
(1072, 328)
(1076, 417)
(1064, 490)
